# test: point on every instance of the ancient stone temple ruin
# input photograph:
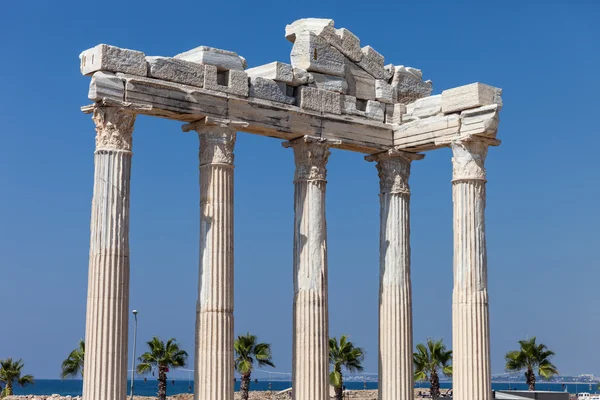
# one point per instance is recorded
(333, 94)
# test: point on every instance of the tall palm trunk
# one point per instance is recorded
(8, 390)
(162, 382)
(339, 390)
(434, 385)
(530, 376)
(245, 385)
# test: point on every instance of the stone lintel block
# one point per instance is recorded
(384, 92)
(106, 85)
(269, 89)
(222, 59)
(375, 110)
(301, 77)
(470, 96)
(319, 100)
(113, 59)
(330, 82)
(481, 121)
(425, 107)
(175, 70)
(276, 71)
(372, 62)
(360, 84)
(232, 82)
(394, 113)
(314, 54)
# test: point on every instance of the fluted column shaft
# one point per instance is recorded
(311, 320)
(470, 316)
(105, 369)
(214, 369)
(395, 293)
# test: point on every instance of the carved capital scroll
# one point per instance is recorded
(114, 128)
(393, 168)
(217, 139)
(468, 160)
(310, 155)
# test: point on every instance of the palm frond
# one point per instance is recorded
(25, 380)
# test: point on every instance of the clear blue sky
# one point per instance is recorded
(542, 215)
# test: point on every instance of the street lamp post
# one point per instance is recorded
(133, 358)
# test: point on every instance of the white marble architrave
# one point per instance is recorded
(395, 293)
(214, 365)
(470, 315)
(105, 369)
(310, 379)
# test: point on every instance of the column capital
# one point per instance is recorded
(114, 127)
(469, 158)
(311, 155)
(217, 139)
(393, 167)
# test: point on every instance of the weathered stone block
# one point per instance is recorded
(276, 71)
(222, 59)
(408, 84)
(372, 62)
(470, 96)
(233, 81)
(315, 25)
(106, 85)
(349, 105)
(360, 84)
(425, 107)
(319, 100)
(342, 39)
(384, 92)
(375, 110)
(112, 59)
(480, 121)
(330, 82)
(174, 70)
(301, 77)
(268, 89)
(394, 113)
(348, 44)
(314, 54)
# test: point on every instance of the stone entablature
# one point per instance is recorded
(332, 89)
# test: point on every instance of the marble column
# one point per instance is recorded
(214, 369)
(311, 320)
(105, 369)
(470, 317)
(395, 293)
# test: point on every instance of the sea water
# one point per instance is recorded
(73, 387)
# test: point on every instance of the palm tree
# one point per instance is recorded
(10, 372)
(343, 355)
(529, 357)
(246, 352)
(161, 356)
(73, 365)
(428, 359)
